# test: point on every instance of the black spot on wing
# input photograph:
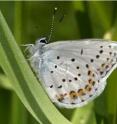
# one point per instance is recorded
(72, 59)
(91, 60)
(55, 66)
(51, 86)
(60, 86)
(81, 51)
(51, 71)
(63, 80)
(97, 56)
(77, 67)
(58, 57)
(101, 51)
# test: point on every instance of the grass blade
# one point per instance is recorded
(23, 80)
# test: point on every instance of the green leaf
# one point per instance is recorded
(23, 80)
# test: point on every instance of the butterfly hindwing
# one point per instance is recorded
(73, 73)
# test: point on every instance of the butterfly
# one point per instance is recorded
(73, 73)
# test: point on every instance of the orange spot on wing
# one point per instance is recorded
(81, 92)
(73, 94)
(60, 97)
(88, 88)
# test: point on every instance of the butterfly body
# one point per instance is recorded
(73, 72)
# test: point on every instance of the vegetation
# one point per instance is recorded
(22, 99)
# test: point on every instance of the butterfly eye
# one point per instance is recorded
(43, 40)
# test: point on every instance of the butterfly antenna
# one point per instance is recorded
(52, 24)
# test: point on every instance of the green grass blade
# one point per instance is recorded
(18, 113)
(18, 21)
(84, 115)
(4, 82)
(5, 96)
(23, 80)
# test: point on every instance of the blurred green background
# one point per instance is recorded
(73, 20)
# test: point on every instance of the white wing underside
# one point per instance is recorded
(75, 72)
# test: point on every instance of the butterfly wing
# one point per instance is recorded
(74, 73)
